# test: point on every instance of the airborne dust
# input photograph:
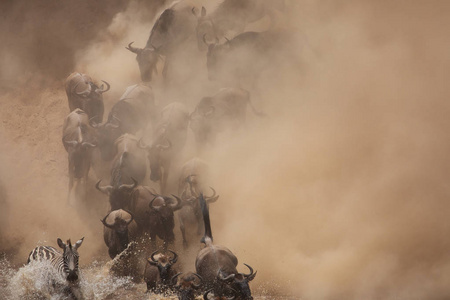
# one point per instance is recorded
(341, 193)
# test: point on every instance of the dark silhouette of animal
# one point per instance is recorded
(230, 18)
(84, 94)
(119, 230)
(169, 138)
(65, 263)
(128, 169)
(155, 215)
(185, 285)
(78, 140)
(193, 180)
(226, 110)
(130, 114)
(241, 60)
(159, 272)
(171, 34)
(217, 265)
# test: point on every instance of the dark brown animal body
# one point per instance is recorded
(130, 114)
(172, 32)
(128, 169)
(241, 60)
(78, 140)
(217, 265)
(154, 215)
(226, 110)
(194, 179)
(230, 18)
(118, 231)
(84, 94)
(169, 138)
(159, 272)
(187, 285)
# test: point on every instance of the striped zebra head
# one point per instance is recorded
(70, 258)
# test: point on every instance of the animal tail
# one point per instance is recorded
(207, 238)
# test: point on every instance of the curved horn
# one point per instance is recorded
(104, 189)
(164, 147)
(152, 256)
(193, 11)
(86, 144)
(213, 198)
(71, 143)
(133, 49)
(151, 204)
(204, 39)
(106, 224)
(107, 88)
(205, 295)
(250, 276)
(129, 186)
(221, 278)
(93, 123)
(142, 145)
(178, 205)
(132, 217)
(175, 257)
(174, 278)
(197, 286)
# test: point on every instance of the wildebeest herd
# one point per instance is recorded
(140, 217)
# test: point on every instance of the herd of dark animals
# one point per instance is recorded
(138, 214)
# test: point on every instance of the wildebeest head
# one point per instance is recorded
(106, 135)
(187, 286)
(191, 196)
(147, 59)
(122, 218)
(155, 154)
(205, 29)
(70, 258)
(201, 120)
(207, 295)
(238, 282)
(119, 197)
(214, 57)
(164, 264)
(165, 207)
(93, 98)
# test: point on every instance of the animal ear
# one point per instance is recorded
(61, 243)
(203, 11)
(78, 243)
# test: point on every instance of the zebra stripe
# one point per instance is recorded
(65, 263)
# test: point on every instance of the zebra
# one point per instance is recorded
(65, 263)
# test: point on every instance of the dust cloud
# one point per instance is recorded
(340, 194)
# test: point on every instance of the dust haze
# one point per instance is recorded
(342, 193)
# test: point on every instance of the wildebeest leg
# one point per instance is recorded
(183, 231)
(164, 179)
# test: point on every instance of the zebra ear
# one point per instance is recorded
(61, 244)
(78, 243)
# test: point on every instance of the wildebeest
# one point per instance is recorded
(185, 285)
(194, 180)
(78, 140)
(217, 264)
(128, 169)
(155, 215)
(226, 110)
(169, 138)
(159, 272)
(229, 18)
(84, 94)
(242, 59)
(170, 35)
(130, 114)
(119, 230)
(65, 264)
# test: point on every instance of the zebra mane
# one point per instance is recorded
(69, 244)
